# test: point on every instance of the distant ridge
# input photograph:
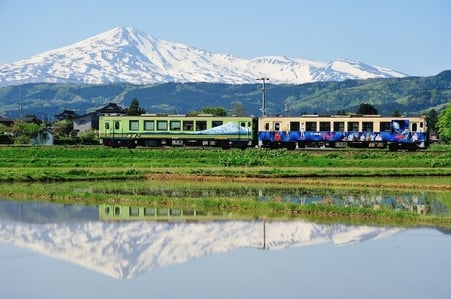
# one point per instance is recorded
(410, 96)
(127, 55)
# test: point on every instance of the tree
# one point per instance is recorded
(3, 129)
(444, 124)
(432, 118)
(396, 113)
(216, 111)
(4, 136)
(367, 109)
(88, 137)
(134, 108)
(63, 128)
(238, 109)
(24, 131)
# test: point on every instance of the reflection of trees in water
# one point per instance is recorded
(438, 208)
(446, 231)
(418, 203)
(41, 212)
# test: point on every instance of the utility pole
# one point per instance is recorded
(20, 109)
(287, 110)
(263, 79)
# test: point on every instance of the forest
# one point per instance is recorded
(406, 96)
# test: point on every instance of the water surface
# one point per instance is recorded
(69, 251)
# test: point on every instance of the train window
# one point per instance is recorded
(353, 126)
(367, 126)
(201, 125)
(243, 124)
(149, 211)
(385, 126)
(339, 126)
(149, 125)
(162, 212)
(324, 126)
(175, 125)
(277, 126)
(117, 125)
(133, 211)
(421, 124)
(216, 123)
(294, 126)
(310, 125)
(266, 126)
(107, 126)
(133, 125)
(162, 125)
(188, 125)
(414, 127)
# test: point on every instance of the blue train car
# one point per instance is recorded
(370, 131)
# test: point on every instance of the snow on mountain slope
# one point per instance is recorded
(125, 250)
(129, 55)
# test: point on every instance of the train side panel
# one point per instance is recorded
(343, 131)
(177, 130)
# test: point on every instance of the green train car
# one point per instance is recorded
(177, 130)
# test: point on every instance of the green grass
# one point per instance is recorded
(234, 200)
(59, 163)
(226, 181)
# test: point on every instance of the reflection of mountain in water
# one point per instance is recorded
(125, 250)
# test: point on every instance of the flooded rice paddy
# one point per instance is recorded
(115, 249)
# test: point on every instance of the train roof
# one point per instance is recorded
(341, 116)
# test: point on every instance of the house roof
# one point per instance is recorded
(10, 121)
(86, 115)
(66, 114)
(111, 108)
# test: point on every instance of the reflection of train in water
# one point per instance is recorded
(366, 131)
(400, 202)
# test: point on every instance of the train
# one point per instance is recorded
(290, 132)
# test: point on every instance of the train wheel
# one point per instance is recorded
(131, 144)
(291, 146)
(243, 145)
(225, 145)
(393, 147)
(412, 147)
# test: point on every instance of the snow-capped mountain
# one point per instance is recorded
(129, 55)
(125, 250)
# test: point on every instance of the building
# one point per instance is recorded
(44, 137)
(7, 121)
(111, 109)
(90, 121)
(66, 114)
(86, 122)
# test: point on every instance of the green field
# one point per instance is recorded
(224, 182)
(95, 163)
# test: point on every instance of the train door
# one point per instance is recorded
(277, 133)
(419, 133)
(112, 135)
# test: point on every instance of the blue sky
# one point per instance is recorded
(411, 36)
